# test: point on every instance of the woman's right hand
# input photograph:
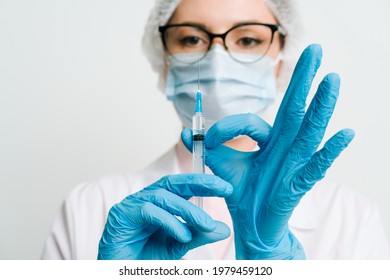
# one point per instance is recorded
(145, 225)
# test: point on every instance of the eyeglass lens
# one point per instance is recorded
(245, 43)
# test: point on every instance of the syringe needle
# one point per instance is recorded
(198, 75)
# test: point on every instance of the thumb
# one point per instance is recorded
(186, 137)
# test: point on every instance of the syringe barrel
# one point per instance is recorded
(198, 143)
(198, 153)
(198, 122)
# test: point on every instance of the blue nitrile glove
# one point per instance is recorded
(268, 184)
(144, 225)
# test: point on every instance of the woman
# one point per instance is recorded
(260, 202)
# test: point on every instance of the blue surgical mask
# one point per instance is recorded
(228, 87)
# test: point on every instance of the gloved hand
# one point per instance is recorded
(144, 226)
(269, 183)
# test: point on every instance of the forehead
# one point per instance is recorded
(220, 15)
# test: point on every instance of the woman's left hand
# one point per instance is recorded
(269, 183)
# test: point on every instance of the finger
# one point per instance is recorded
(200, 238)
(223, 158)
(152, 214)
(316, 120)
(129, 216)
(316, 168)
(176, 205)
(292, 109)
(283, 201)
(186, 137)
(236, 125)
(188, 185)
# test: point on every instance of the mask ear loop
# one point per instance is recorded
(278, 59)
(166, 61)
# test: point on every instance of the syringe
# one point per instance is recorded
(198, 159)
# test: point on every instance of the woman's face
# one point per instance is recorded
(218, 16)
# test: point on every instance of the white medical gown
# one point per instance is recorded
(331, 221)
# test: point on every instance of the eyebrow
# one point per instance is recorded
(252, 21)
(190, 23)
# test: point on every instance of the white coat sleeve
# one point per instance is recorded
(58, 244)
(78, 227)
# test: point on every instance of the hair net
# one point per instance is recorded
(285, 11)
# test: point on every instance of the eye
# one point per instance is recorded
(248, 42)
(191, 41)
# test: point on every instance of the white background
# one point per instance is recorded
(78, 100)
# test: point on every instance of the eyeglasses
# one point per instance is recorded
(246, 42)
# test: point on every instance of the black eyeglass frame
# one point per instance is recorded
(274, 28)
